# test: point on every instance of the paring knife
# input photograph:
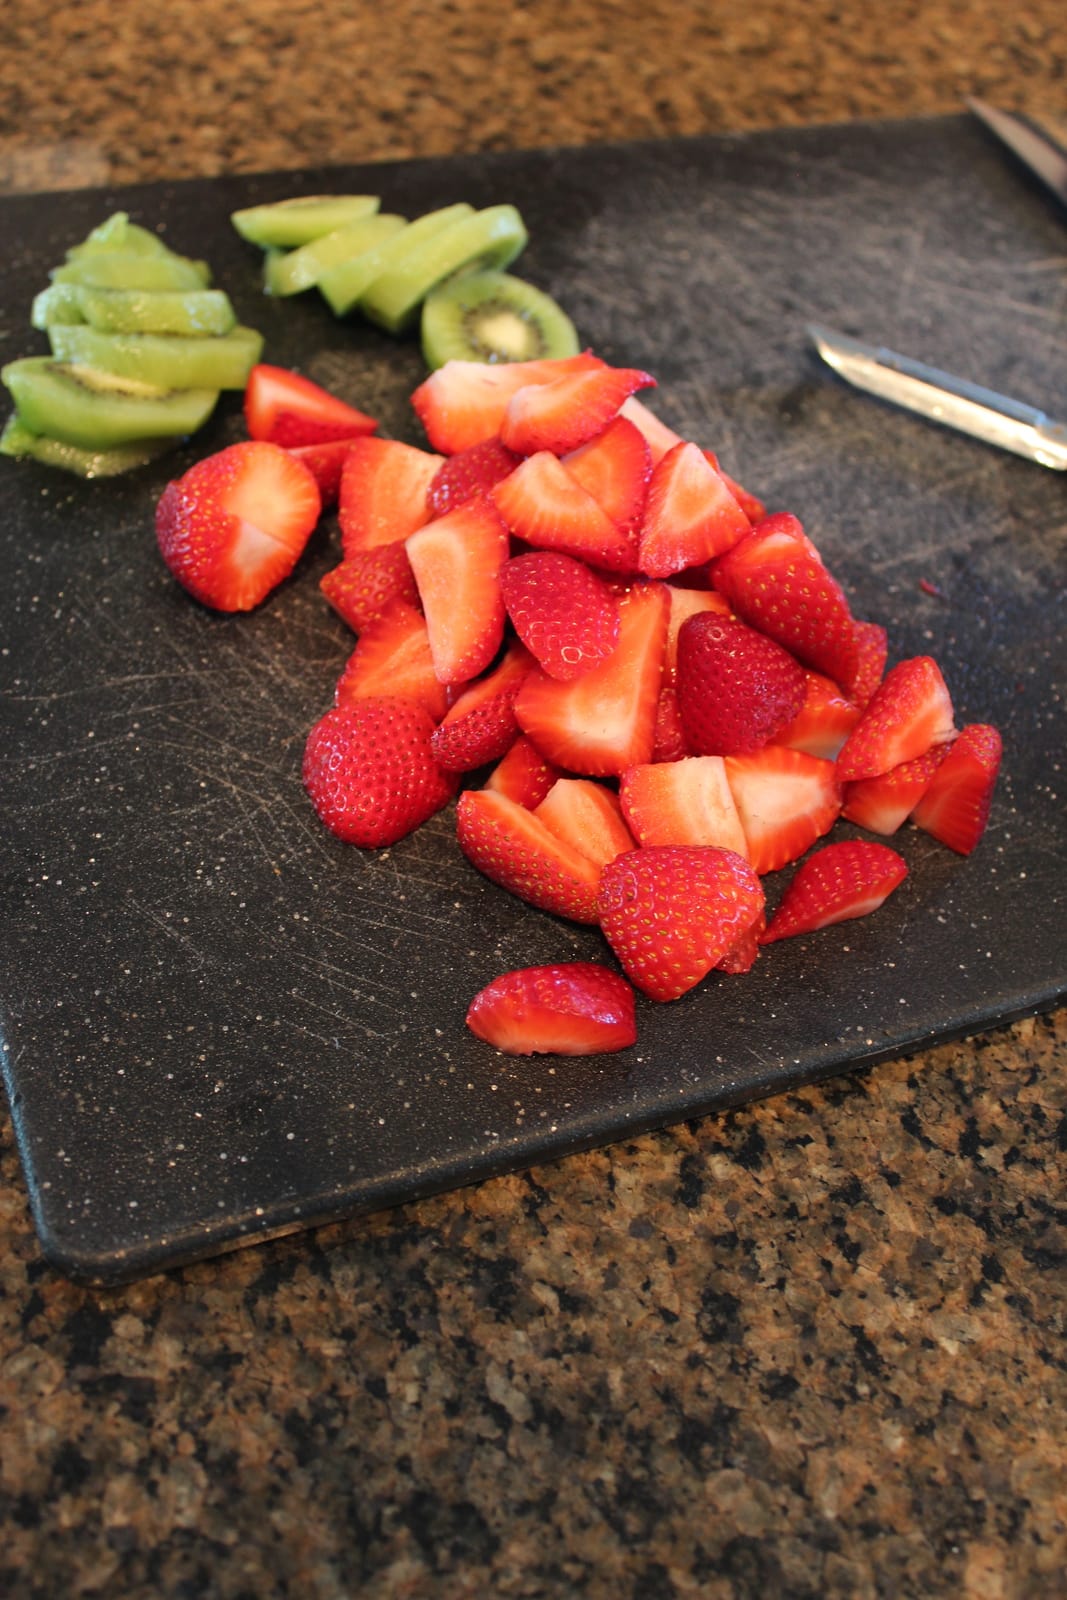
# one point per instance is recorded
(1044, 157)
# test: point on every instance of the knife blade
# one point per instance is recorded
(942, 397)
(1044, 157)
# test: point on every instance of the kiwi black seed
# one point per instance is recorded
(494, 317)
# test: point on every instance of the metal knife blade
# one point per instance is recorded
(1035, 150)
(957, 403)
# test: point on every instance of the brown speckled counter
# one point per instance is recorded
(811, 1348)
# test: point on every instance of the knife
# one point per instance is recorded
(938, 395)
(1036, 150)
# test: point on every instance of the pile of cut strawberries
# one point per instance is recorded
(649, 693)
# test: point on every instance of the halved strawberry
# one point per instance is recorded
(955, 807)
(686, 603)
(616, 468)
(468, 474)
(671, 913)
(884, 803)
(480, 725)
(736, 688)
(603, 722)
(233, 526)
(570, 410)
(785, 800)
(464, 402)
(823, 722)
(392, 659)
(655, 433)
(690, 515)
(565, 615)
(383, 498)
(517, 851)
(909, 711)
(546, 506)
(457, 561)
(325, 462)
(836, 884)
(750, 504)
(741, 956)
(682, 802)
(364, 583)
(588, 816)
(370, 773)
(523, 775)
(284, 408)
(575, 1008)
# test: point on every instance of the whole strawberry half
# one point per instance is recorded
(575, 1008)
(736, 688)
(370, 773)
(566, 616)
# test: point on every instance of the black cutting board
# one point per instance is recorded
(218, 1021)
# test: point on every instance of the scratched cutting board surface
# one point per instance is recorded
(219, 1022)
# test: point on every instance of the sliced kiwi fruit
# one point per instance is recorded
(17, 440)
(97, 410)
(119, 233)
(292, 271)
(493, 317)
(125, 269)
(344, 285)
(55, 306)
(168, 360)
(490, 238)
(285, 224)
(188, 311)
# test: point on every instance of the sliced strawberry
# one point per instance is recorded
(370, 773)
(872, 648)
(361, 587)
(384, 485)
(823, 722)
(775, 580)
(615, 468)
(464, 402)
(392, 659)
(523, 775)
(736, 688)
(669, 741)
(565, 615)
(457, 561)
(686, 603)
(682, 802)
(577, 1008)
(785, 800)
(655, 433)
(546, 506)
(837, 883)
(690, 517)
(603, 722)
(516, 850)
(468, 474)
(741, 956)
(909, 711)
(480, 725)
(286, 409)
(884, 803)
(233, 526)
(753, 507)
(570, 410)
(671, 913)
(955, 807)
(588, 816)
(325, 462)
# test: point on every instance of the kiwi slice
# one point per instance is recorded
(490, 239)
(169, 360)
(97, 410)
(491, 316)
(57, 305)
(119, 233)
(17, 440)
(125, 269)
(292, 271)
(344, 284)
(187, 311)
(287, 223)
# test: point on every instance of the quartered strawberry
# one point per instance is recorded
(587, 815)
(364, 583)
(909, 711)
(736, 688)
(615, 468)
(383, 497)
(750, 504)
(690, 515)
(669, 741)
(468, 474)
(672, 913)
(457, 561)
(604, 721)
(956, 804)
(480, 725)
(884, 803)
(392, 659)
(233, 526)
(837, 883)
(575, 1008)
(682, 802)
(463, 402)
(545, 505)
(516, 850)
(785, 800)
(325, 462)
(570, 410)
(370, 773)
(286, 409)
(523, 775)
(685, 603)
(872, 649)
(823, 722)
(566, 616)
(655, 433)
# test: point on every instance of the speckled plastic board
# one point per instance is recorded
(220, 1023)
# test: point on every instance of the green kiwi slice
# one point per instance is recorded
(489, 239)
(17, 440)
(188, 311)
(292, 271)
(97, 410)
(58, 304)
(117, 232)
(168, 360)
(125, 269)
(492, 316)
(285, 224)
(344, 284)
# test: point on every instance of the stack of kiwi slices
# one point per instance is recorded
(141, 347)
(443, 271)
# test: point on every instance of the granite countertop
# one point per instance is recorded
(814, 1347)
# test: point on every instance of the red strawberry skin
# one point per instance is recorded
(369, 771)
(575, 1008)
(468, 474)
(883, 804)
(736, 688)
(565, 615)
(287, 409)
(956, 804)
(908, 712)
(838, 883)
(523, 775)
(480, 725)
(517, 851)
(366, 582)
